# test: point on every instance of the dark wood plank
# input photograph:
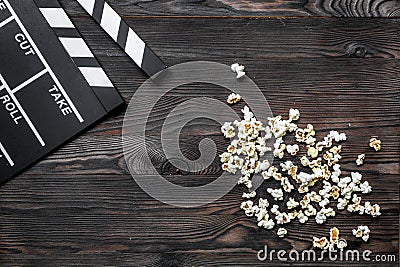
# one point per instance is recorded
(279, 8)
(203, 38)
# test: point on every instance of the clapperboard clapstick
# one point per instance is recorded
(125, 36)
(79, 51)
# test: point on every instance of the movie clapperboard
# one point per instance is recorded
(51, 86)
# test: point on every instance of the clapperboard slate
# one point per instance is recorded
(51, 85)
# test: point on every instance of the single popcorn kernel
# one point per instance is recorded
(239, 69)
(233, 98)
(281, 232)
(375, 143)
(360, 159)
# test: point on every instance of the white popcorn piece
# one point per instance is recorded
(240, 74)
(320, 218)
(277, 194)
(233, 98)
(356, 177)
(267, 224)
(324, 202)
(287, 165)
(286, 185)
(234, 67)
(302, 217)
(342, 203)
(360, 159)
(335, 135)
(335, 192)
(263, 203)
(321, 243)
(291, 204)
(305, 161)
(249, 195)
(375, 143)
(312, 152)
(281, 232)
(292, 149)
(343, 182)
(294, 114)
(310, 210)
(362, 232)
(282, 218)
(225, 157)
(262, 214)
(275, 210)
(365, 188)
(373, 210)
(228, 130)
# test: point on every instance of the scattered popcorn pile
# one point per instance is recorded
(321, 166)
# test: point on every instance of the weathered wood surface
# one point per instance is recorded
(80, 206)
(278, 8)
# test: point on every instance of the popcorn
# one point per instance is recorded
(246, 154)
(275, 210)
(305, 161)
(249, 195)
(302, 217)
(292, 149)
(337, 136)
(282, 218)
(375, 143)
(365, 188)
(263, 203)
(324, 202)
(321, 243)
(362, 232)
(342, 203)
(294, 114)
(356, 177)
(239, 69)
(267, 224)
(281, 232)
(286, 185)
(240, 74)
(277, 194)
(234, 67)
(373, 210)
(310, 210)
(233, 98)
(312, 152)
(320, 218)
(228, 130)
(360, 159)
(291, 204)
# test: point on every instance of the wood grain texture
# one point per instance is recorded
(80, 206)
(278, 8)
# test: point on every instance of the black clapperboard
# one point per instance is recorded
(51, 86)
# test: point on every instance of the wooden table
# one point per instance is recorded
(80, 206)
